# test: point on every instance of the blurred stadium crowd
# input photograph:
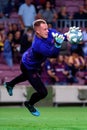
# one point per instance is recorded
(16, 34)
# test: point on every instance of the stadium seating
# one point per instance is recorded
(72, 6)
(7, 74)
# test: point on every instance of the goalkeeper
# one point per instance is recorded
(46, 43)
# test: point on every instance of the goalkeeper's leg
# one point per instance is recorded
(41, 91)
(10, 85)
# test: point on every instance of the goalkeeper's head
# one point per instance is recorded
(41, 28)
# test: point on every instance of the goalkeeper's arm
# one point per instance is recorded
(74, 35)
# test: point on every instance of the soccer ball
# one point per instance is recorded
(74, 35)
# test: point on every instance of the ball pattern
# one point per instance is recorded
(75, 35)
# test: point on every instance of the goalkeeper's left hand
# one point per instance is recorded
(59, 38)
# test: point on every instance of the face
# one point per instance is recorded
(81, 8)
(60, 58)
(17, 35)
(42, 30)
(10, 37)
(10, 27)
(53, 60)
(14, 26)
(48, 5)
(66, 58)
(64, 9)
(28, 2)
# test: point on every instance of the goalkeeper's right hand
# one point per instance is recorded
(59, 38)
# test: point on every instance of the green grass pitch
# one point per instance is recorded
(51, 118)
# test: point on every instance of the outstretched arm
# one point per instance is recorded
(74, 36)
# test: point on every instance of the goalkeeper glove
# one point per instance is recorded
(59, 38)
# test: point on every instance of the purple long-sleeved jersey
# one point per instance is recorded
(41, 49)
